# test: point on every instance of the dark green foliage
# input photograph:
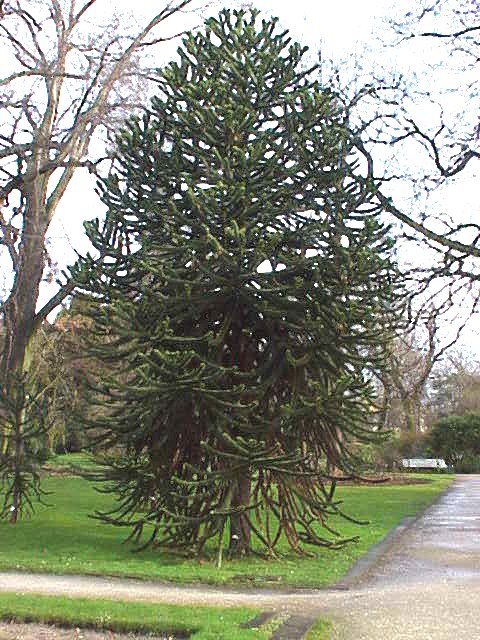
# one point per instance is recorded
(22, 432)
(247, 290)
(457, 440)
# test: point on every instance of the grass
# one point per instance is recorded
(321, 630)
(198, 623)
(70, 463)
(63, 539)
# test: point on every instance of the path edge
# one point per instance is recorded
(365, 563)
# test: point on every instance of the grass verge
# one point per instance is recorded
(197, 623)
(63, 539)
(321, 630)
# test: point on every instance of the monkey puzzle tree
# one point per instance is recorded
(248, 286)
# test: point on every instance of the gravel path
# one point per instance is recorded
(425, 587)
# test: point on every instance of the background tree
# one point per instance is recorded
(62, 85)
(62, 369)
(431, 117)
(414, 358)
(244, 280)
(419, 118)
(457, 440)
(455, 389)
(65, 81)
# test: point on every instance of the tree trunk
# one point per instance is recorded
(19, 330)
(411, 414)
(19, 310)
(239, 527)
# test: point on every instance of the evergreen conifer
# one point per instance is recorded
(247, 290)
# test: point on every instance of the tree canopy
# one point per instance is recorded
(456, 438)
(248, 288)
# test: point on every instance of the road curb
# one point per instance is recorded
(362, 567)
(370, 559)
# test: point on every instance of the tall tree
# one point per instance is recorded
(64, 81)
(247, 286)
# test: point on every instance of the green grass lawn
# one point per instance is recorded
(63, 539)
(70, 462)
(199, 623)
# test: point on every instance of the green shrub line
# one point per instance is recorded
(63, 539)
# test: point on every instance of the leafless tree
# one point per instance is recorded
(455, 389)
(425, 128)
(419, 131)
(415, 355)
(65, 83)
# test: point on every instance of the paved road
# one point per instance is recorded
(426, 587)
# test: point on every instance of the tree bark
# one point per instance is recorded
(19, 309)
(239, 527)
(411, 414)
(19, 329)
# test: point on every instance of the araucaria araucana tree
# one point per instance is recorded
(247, 290)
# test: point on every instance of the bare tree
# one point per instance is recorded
(426, 128)
(455, 389)
(65, 82)
(419, 123)
(413, 360)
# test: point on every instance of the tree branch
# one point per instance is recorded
(387, 203)
(53, 303)
(455, 34)
(455, 245)
(9, 237)
(39, 73)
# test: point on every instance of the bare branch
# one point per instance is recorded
(54, 302)
(388, 205)
(455, 34)
(40, 73)
(85, 8)
(9, 236)
(14, 150)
